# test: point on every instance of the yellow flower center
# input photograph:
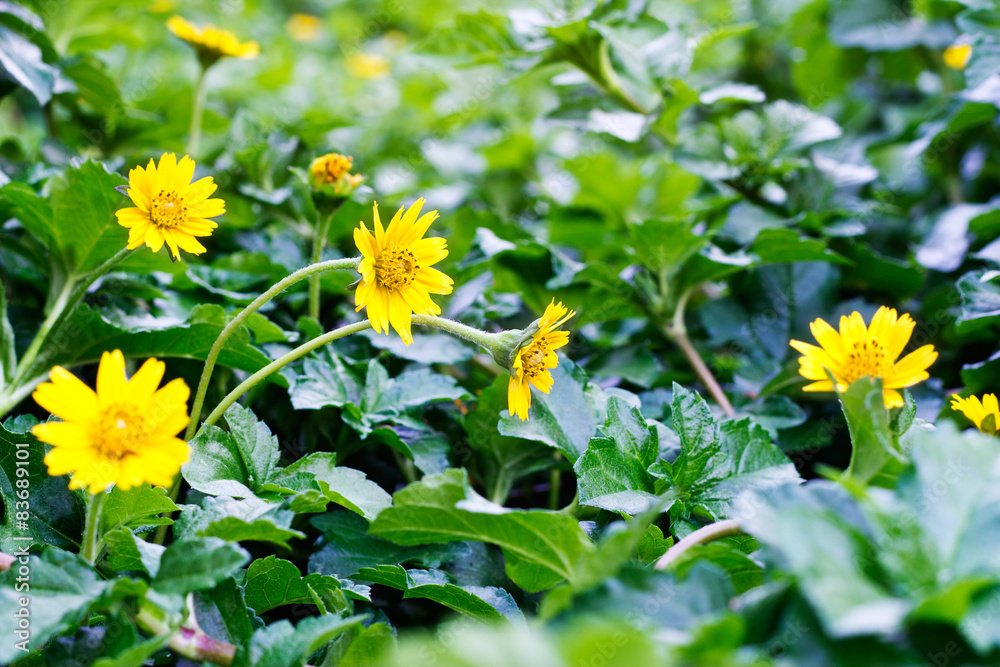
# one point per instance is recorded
(533, 358)
(167, 209)
(868, 358)
(329, 168)
(121, 431)
(396, 267)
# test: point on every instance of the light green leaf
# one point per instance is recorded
(197, 564)
(345, 486)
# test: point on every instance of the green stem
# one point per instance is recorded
(280, 363)
(189, 643)
(236, 322)
(197, 111)
(555, 483)
(713, 531)
(70, 295)
(481, 338)
(319, 241)
(90, 536)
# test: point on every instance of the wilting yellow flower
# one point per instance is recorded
(169, 208)
(304, 27)
(957, 55)
(123, 434)
(533, 361)
(367, 65)
(396, 275)
(857, 351)
(211, 42)
(977, 411)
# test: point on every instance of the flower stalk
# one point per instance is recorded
(91, 542)
(323, 221)
(704, 535)
(197, 110)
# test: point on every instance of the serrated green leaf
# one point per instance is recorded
(283, 645)
(137, 509)
(128, 553)
(344, 486)
(272, 582)
(196, 564)
(236, 520)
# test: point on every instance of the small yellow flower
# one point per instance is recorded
(304, 27)
(533, 361)
(957, 55)
(211, 42)
(123, 434)
(169, 208)
(396, 275)
(367, 65)
(857, 351)
(330, 168)
(977, 411)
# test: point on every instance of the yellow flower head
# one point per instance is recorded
(211, 42)
(169, 208)
(367, 65)
(304, 27)
(978, 411)
(957, 55)
(533, 361)
(330, 173)
(857, 351)
(396, 275)
(123, 434)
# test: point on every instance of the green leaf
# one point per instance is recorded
(370, 645)
(84, 201)
(282, 645)
(128, 553)
(272, 582)
(486, 604)
(197, 564)
(36, 506)
(565, 418)
(980, 291)
(8, 350)
(62, 590)
(541, 548)
(875, 455)
(344, 486)
(777, 246)
(137, 509)
(21, 61)
(235, 462)
(247, 519)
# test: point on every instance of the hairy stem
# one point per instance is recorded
(280, 363)
(90, 536)
(319, 242)
(704, 535)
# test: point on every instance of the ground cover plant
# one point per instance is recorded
(569, 334)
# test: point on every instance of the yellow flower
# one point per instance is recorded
(396, 275)
(304, 27)
(367, 65)
(533, 361)
(957, 55)
(858, 351)
(169, 208)
(977, 411)
(123, 434)
(211, 42)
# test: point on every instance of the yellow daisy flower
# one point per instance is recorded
(304, 27)
(533, 361)
(123, 434)
(957, 55)
(211, 42)
(396, 275)
(330, 168)
(367, 65)
(977, 411)
(857, 351)
(169, 208)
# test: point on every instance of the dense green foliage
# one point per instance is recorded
(698, 180)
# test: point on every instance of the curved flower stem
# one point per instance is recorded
(677, 332)
(483, 339)
(713, 531)
(319, 241)
(71, 294)
(90, 539)
(280, 363)
(197, 111)
(236, 322)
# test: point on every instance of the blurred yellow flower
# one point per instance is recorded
(304, 27)
(396, 275)
(957, 55)
(330, 174)
(169, 208)
(977, 411)
(367, 65)
(533, 361)
(211, 42)
(124, 434)
(857, 351)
